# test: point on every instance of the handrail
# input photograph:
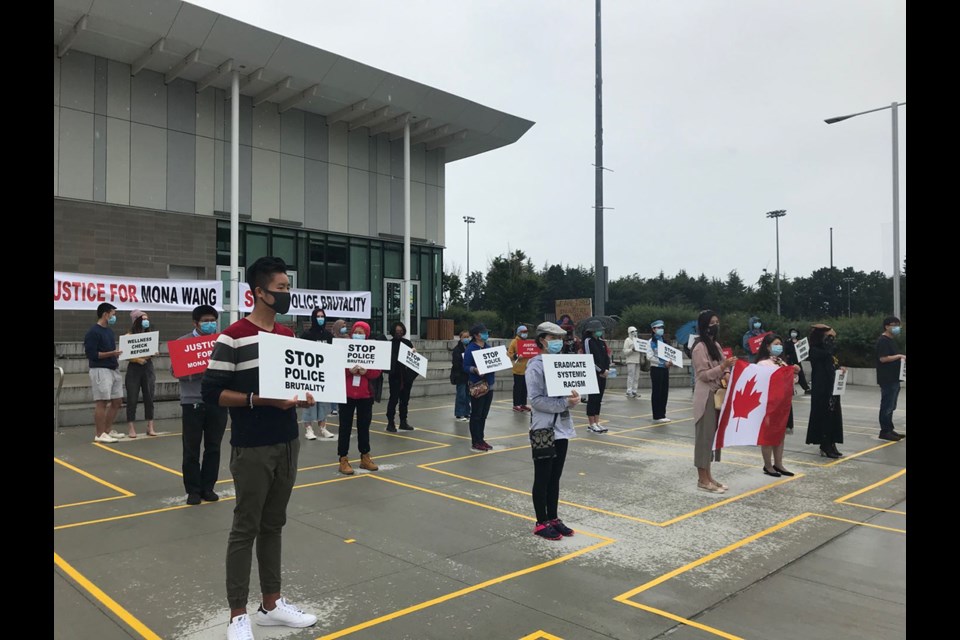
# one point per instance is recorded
(56, 401)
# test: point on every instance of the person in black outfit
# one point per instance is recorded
(594, 345)
(459, 377)
(320, 410)
(790, 357)
(888, 376)
(826, 418)
(401, 379)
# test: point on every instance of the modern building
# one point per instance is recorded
(141, 156)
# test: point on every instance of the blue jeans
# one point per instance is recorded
(889, 392)
(462, 407)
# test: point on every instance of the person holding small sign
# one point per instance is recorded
(202, 424)
(140, 378)
(266, 446)
(888, 376)
(551, 429)
(594, 344)
(480, 397)
(825, 427)
(633, 357)
(754, 329)
(659, 375)
(360, 401)
(318, 412)
(519, 369)
(401, 379)
(459, 377)
(790, 357)
(100, 346)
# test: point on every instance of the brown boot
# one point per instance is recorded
(366, 462)
(345, 467)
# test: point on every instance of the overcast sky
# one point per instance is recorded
(713, 115)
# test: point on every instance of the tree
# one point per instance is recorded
(451, 285)
(513, 287)
(475, 291)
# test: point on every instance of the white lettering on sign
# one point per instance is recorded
(566, 373)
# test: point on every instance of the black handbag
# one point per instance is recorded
(542, 444)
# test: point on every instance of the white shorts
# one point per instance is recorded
(106, 383)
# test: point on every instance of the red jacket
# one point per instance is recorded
(363, 390)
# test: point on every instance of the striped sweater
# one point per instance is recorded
(235, 365)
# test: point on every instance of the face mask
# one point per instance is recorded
(281, 301)
(598, 334)
(712, 330)
(829, 342)
(359, 336)
(524, 335)
(399, 333)
(756, 325)
(659, 332)
(895, 330)
(776, 350)
(465, 340)
(320, 320)
(206, 328)
(633, 334)
(145, 324)
(793, 334)
(554, 346)
(112, 320)
(343, 330)
(484, 336)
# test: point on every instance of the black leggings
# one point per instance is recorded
(593, 402)
(546, 483)
(364, 409)
(519, 390)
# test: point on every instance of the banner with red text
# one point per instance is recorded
(88, 291)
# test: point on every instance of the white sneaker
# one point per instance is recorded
(284, 615)
(326, 434)
(116, 434)
(240, 629)
(105, 438)
(597, 428)
(663, 420)
(309, 434)
(334, 412)
(463, 419)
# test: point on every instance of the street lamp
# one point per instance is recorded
(848, 280)
(469, 220)
(776, 215)
(896, 194)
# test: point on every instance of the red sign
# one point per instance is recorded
(189, 356)
(527, 348)
(727, 352)
(755, 341)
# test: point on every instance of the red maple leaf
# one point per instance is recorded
(746, 400)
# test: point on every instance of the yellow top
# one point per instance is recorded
(519, 364)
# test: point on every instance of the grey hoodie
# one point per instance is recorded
(547, 411)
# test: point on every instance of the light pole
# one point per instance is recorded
(848, 280)
(776, 215)
(896, 194)
(469, 220)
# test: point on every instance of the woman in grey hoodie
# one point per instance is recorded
(551, 427)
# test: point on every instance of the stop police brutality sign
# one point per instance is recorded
(369, 354)
(412, 360)
(293, 367)
(492, 359)
(566, 373)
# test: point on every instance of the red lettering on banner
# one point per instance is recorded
(248, 298)
(100, 294)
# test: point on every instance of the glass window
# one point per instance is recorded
(426, 285)
(392, 261)
(257, 246)
(337, 268)
(359, 267)
(376, 283)
(284, 246)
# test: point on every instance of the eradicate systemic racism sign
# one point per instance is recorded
(338, 304)
(85, 291)
(293, 367)
(190, 356)
(139, 345)
(566, 373)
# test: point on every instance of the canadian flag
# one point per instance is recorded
(756, 406)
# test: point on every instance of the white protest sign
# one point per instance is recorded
(666, 352)
(903, 370)
(566, 373)
(492, 359)
(341, 304)
(839, 382)
(87, 291)
(369, 354)
(693, 338)
(641, 346)
(293, 367)
(139, 345)
(803, 349)
(412, 360)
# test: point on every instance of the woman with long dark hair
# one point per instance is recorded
(140, 378)
(712, 371)
(320, 410)
(770, 355)
(826, 417)
(401, 378)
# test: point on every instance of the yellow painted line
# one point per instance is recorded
(862, 524)
(90, 476)
(474, 455)
(540, 635)
(386, 455)
(340, 479)
(402, 436)
(138, 459)
(858, 454)
(872, 486)
(77, 504)
(600, 440)
(667, 523)
(512, 435)
(686, 621)
(350, 541)
(458, 499)
(866, 506)
(104, 599)
(752, 456)
(442, 406)
(857, 406)
(444, 433)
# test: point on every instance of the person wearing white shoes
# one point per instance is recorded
(594, 344)
(632, 356)
(659, 375)
(100, 346)
(265, 449)
(319, 411)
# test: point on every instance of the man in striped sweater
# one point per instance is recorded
(264, 450)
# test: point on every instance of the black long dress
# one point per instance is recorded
(826, 418)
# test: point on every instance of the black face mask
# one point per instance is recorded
(712, 330)
(281, 301)
(829, 343)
